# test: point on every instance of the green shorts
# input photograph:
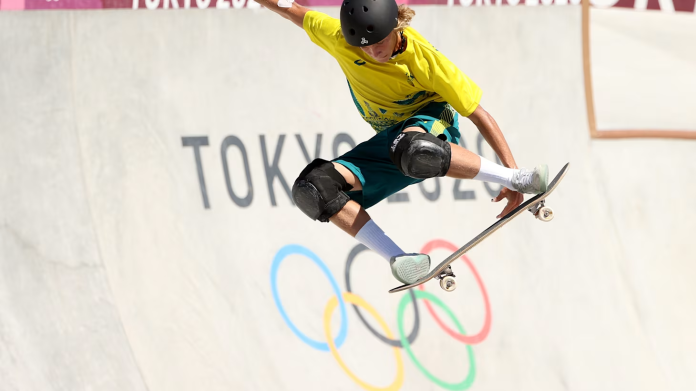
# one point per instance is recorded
(370, 160)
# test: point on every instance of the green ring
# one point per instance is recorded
(464, 384)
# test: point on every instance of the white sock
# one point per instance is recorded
(373, 237)
(491, 172)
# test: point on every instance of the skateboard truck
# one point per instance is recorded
(447, 281)
(541, 212)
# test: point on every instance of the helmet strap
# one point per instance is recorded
(402, 47)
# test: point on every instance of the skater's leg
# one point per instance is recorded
(464, 164)
(351, 218)
(320, 192)
(355, 221)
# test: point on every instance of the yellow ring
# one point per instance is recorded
(360, 302)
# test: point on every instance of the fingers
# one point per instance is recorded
(514, 200)
(505, 211)
(508, 208)
(503, 194)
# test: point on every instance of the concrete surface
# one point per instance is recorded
(125, 265)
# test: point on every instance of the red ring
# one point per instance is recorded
(468, 339)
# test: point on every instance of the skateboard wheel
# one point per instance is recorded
(545, 214)
(448, 283)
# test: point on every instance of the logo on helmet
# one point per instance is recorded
(364, 41)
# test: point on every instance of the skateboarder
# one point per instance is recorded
(411, 95)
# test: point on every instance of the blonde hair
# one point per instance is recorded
(405, 16)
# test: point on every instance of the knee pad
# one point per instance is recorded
(420, 155)
(319, 191)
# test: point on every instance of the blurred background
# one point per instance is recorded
(148, 240)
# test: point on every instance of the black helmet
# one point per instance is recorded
(365, 22)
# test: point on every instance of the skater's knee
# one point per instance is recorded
(420, 155)
(319, 191)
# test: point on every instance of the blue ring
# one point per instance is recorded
(297, 249)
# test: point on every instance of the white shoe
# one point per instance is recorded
(531, 181)
(409, 268)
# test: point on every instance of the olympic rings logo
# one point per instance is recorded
(404, 340)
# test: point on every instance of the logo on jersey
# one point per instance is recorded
(410, 78)
(364, 41)
(358, 62)
(412, 98)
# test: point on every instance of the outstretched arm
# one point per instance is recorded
(494, 136)
(294, 14)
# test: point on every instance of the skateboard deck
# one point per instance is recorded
(443, 271)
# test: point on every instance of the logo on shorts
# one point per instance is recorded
(364, 41)
(396, 141)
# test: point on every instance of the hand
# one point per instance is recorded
(514, 200)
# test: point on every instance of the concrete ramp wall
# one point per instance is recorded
(148, 241)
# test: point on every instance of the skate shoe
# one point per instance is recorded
(531, 181)
(408, 268)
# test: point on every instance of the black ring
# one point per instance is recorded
(391, 342)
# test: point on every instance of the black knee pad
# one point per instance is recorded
(420, 155)
(319, 191)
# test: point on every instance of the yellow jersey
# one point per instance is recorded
(388, 93)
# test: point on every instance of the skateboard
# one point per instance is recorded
(536, 205)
